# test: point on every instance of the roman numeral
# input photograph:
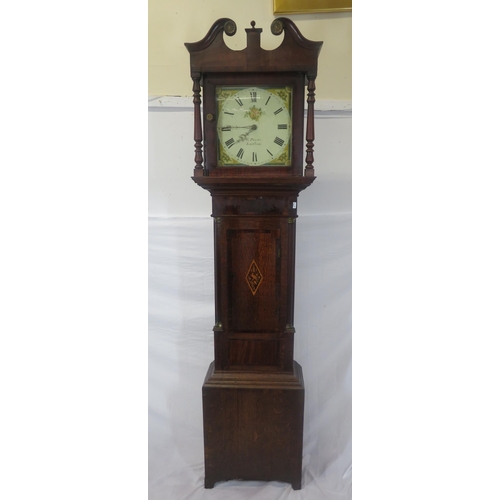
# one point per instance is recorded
(228, 113)
(279, 141)
(240, 153)
(278, 111)
(254, 156)
(227, 128)
(268, 100)
(239, 101)
(281, 126)
(230, 142)
(253, 95)
(270, 153)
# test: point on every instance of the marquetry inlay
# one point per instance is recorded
(254, 277)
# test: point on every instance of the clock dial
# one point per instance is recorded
(254, 126)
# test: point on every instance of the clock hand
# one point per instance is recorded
(230, 127)
(244, 136)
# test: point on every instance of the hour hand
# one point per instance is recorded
(244, 136)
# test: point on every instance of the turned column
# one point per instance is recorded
(198, 136)
(311, 87)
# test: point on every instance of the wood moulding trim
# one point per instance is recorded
(212, 55)
(222, 184)
(256, 380)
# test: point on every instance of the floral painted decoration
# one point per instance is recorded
(254, 113)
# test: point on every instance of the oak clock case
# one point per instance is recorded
(249, 154)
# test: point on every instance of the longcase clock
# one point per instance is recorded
(249, 154)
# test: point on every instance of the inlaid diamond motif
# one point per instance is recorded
(254, 277)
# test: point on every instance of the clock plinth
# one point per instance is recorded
(253, 141)
(253, 425)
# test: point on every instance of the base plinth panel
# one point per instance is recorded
(253, 426)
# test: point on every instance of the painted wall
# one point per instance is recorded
(171, 23)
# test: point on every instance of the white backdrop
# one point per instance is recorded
(182, 315)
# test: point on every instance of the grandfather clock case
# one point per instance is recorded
(249, 154)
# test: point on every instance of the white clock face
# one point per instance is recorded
(254, 126)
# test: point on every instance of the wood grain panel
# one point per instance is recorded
(248, 311)
(253, 352)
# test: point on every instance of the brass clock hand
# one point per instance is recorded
(228, 128)
(244, 136)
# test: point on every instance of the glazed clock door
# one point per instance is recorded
(254, 126)
(252, 123)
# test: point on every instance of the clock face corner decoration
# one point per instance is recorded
(254, 153)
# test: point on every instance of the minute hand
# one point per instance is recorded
(230, 127)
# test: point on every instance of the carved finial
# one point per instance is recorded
(253, 39)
